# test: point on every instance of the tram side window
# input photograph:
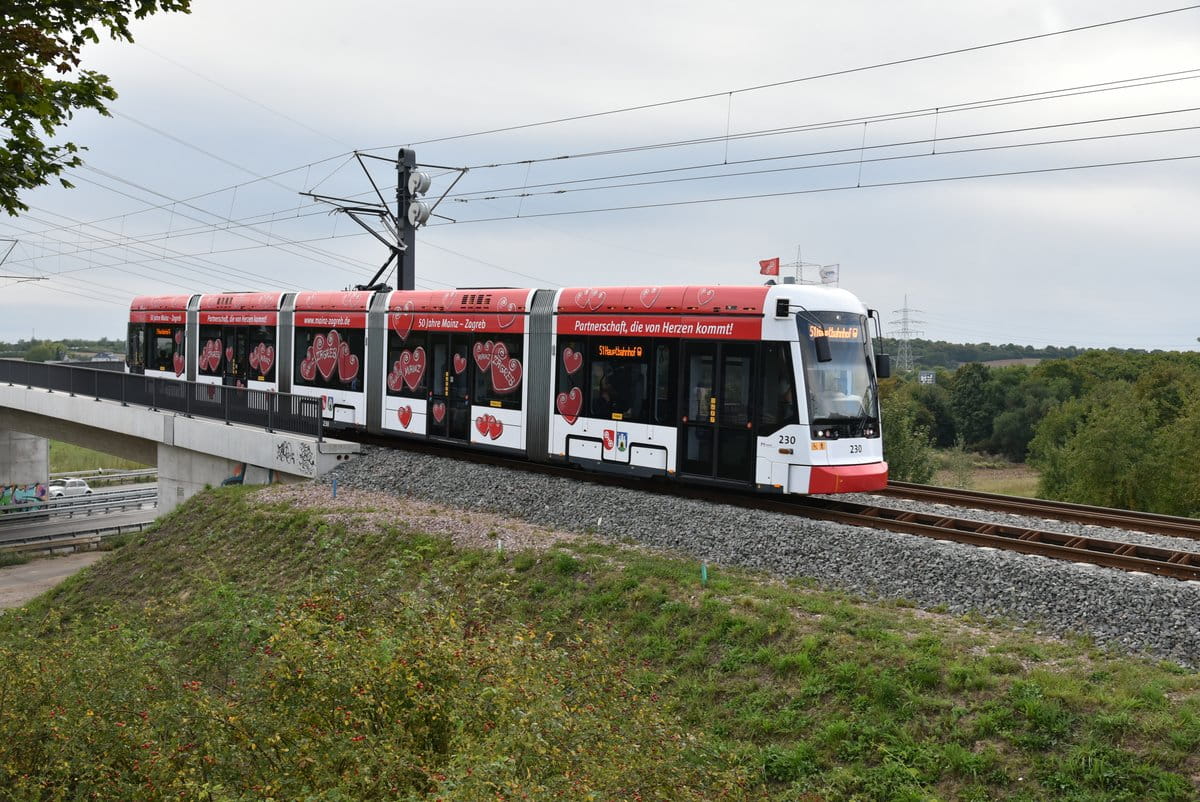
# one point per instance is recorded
(499, 371)
(778, 397)
(737, 368)
(212, 350)
(321, 362)
(261, 357)
(165, 342)
(664, 383)
(620, 372)
(701, 372)
(410, 365)
(572, 364)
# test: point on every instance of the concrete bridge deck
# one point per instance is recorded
(190, 452)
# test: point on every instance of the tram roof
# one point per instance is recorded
(514, 300)
(240, 301)
(158, 303)
(704, 299)
(348, 301)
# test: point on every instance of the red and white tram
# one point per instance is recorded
(238, 339)
(155, 339)
(767, 386)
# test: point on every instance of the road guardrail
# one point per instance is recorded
(81, 506)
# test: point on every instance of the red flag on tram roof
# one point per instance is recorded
(769, 267)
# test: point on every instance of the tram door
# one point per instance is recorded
(237, 343)
(449, 399)
(716, 433)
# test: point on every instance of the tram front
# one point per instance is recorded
(838, 380)
(819, 425)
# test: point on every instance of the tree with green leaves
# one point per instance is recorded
(42, 84)
(1129, 444)
(973, 399)
(906, 444)
(44, 351)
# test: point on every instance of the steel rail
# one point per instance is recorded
(1126, 556)
(1182, 565)
(1175, 526)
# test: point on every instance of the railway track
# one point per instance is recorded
(1176, 564)
(1171, 525)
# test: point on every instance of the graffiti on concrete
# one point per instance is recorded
(239, 475)
(22, 494)
(301, 456)
(307, 461)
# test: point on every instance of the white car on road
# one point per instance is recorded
(60, 488)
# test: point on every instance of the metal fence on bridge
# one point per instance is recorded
(265, 409)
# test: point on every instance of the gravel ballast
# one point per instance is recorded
(1129, 612)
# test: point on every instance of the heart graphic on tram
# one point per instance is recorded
(210, 355)
(412, 366)
(483, 354)
(402, 321)
(590, 299)
(508, 313)
(506, 371)
(324, 354)
(347, 363)
(572, 360)
(262, 357)
(569, 405)
(489, 426)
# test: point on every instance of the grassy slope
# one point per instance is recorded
(65, 457)
(269, 650)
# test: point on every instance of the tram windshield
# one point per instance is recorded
(844, 388)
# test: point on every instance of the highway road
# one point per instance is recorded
(81, 522)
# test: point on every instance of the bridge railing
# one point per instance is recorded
(268, 410)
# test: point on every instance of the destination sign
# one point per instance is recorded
(634, 351)
(834, 332)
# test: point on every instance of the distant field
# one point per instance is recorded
(990, 476)
(67, 457)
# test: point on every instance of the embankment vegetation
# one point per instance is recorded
(252, 647)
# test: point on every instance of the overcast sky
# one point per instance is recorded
(173, 197)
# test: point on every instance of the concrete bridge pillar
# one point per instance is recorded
(24, 467)
(24, 458)
(182, 473)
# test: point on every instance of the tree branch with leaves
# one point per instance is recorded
(42, 84)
